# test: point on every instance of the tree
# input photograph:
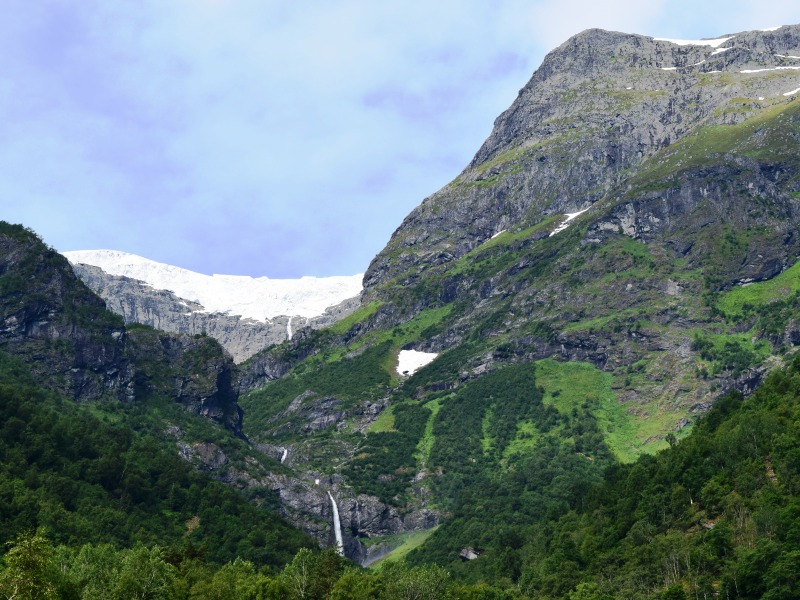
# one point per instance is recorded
(357, 584)
(30, 571)
(95, 570)
(299, 574)
(144, 575)
(419, 583)
(234, 581)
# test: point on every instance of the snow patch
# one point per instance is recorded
(629, 88)
(410, 361)
(668, 68)
(284, 455)
(565, 224)
(771, 28)
(787, 56)
(770, 69)
(259, 298)
(498, 233)
(713, 43)
(793, 92)
(719, 51)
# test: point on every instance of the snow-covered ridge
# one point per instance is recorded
(259, 298)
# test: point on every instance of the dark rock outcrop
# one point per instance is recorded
(72, 344)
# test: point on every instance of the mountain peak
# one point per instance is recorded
(600, 105)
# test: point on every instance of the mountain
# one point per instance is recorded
(244, 314)
(72, 344)
(106, 428)
(600, 105)
(620, 253)
(542, 388)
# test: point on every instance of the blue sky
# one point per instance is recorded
(273, 138)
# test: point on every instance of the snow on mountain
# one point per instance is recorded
(259, 298)
(565, 224)
(713, 43)
(411, 361)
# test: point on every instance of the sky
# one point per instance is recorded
(274, 138)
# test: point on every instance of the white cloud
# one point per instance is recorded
(266, 137)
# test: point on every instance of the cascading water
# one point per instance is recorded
(337, 526)
(284, 455)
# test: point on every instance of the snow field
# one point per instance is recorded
(258, 298)
(713, 43)
(410, 361)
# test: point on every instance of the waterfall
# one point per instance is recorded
(337, 526)
(285, 454)
(289, 328)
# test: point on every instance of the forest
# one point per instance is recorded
(714, 515)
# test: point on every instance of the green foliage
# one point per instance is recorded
(361, 315)
(429, 582)
(494, 496)
(714, 514)
(350, 380)
(775, 126)
(768, 305)
(143, 573)
(729, 353)
(444, 369)
(407, 542)
(30, 572)
(721, 505)
(312, 575)
(88, 480)
(577, 384)
(18, 232)
(385, 463)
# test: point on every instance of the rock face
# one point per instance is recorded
(306, 504)
(599, 105)
(56, 325)
(738, 192)
(62, 330)
(138, 302)
(191, 369)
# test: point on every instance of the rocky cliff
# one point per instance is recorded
(596, 109)
(138, 302)
(59, 327)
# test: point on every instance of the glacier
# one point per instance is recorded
(257, 298)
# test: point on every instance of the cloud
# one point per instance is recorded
(263, 137)
(554, 21)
